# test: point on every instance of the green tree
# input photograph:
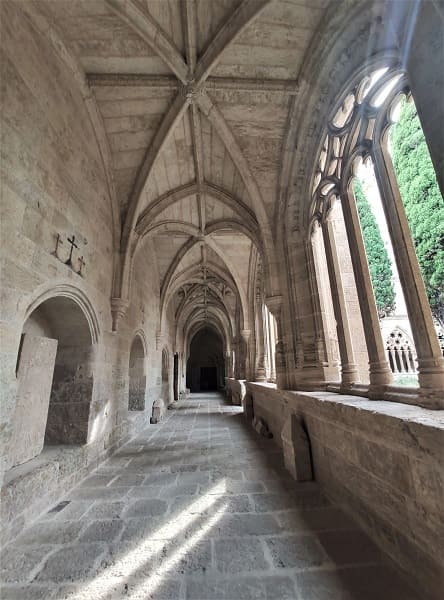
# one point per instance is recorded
(377, 256)
(423, 202)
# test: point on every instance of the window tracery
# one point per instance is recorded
(401, 352)
(357, 131)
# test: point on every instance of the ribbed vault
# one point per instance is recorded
(194, 97)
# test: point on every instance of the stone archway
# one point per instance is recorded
(55, 378)
(137, 376)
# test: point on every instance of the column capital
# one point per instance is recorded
(119, 307)
(245, 333)
(274, 304)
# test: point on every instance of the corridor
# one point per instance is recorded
(198, 508)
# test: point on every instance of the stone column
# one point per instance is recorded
(228, 365)
(246, 333)
(429, 357)
(319, 342)
(274, 304)
(380, 374)
(240, 364)
(267, 358)
(349, 371)
(272, 346)
(260, 372)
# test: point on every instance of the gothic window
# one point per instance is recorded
(401, 353)
(357, 134)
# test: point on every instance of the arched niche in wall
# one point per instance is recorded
(55, 378)
(137, 375)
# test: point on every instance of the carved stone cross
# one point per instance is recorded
(73, 245)
(82, 263)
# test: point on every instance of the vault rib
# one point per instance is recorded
(150, 31)
(239, 20)
(289, 87)
(189, 20)
(163, 134)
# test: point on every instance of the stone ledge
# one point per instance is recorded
(382, 461)
(30, 489)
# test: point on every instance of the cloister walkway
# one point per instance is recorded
(199, 508)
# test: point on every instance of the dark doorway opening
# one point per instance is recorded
(208, 379)
(205, 366)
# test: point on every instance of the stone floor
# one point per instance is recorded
(196, 508)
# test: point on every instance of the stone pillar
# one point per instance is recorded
(274, 304)
(319, 343)
(272, 346)
(246, 333)
(227, 364)
(349, 371)
(260, 372)
(265, 339)
(429, 357)
(380, 374)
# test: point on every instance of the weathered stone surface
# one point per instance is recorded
(102, 531)
(239, 555)
(34, 374)
(296, 449)
(160, 176)
(352, 441)
(71, 563)
(299, 552)
(18, 564)
(206, 544)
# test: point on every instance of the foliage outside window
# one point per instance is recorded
(423, 202)
(378, 259)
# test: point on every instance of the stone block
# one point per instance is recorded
(71, 563)
(248, 406)
(296, 449)
(158, 411)
(296, 551)
(102, 531)
(26, 592)
(34, 374)
(16, 563)
(149, 507)
(238, 555)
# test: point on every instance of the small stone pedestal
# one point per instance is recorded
(158, 411)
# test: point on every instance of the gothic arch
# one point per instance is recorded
(77, 295)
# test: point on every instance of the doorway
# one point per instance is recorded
(205, 366)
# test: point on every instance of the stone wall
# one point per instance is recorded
(382, 462)
(54, 182)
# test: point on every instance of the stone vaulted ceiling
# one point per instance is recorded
(194, 96)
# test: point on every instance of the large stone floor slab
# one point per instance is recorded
(197, 508)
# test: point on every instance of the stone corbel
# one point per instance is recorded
(119, 306)
(160, 339)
